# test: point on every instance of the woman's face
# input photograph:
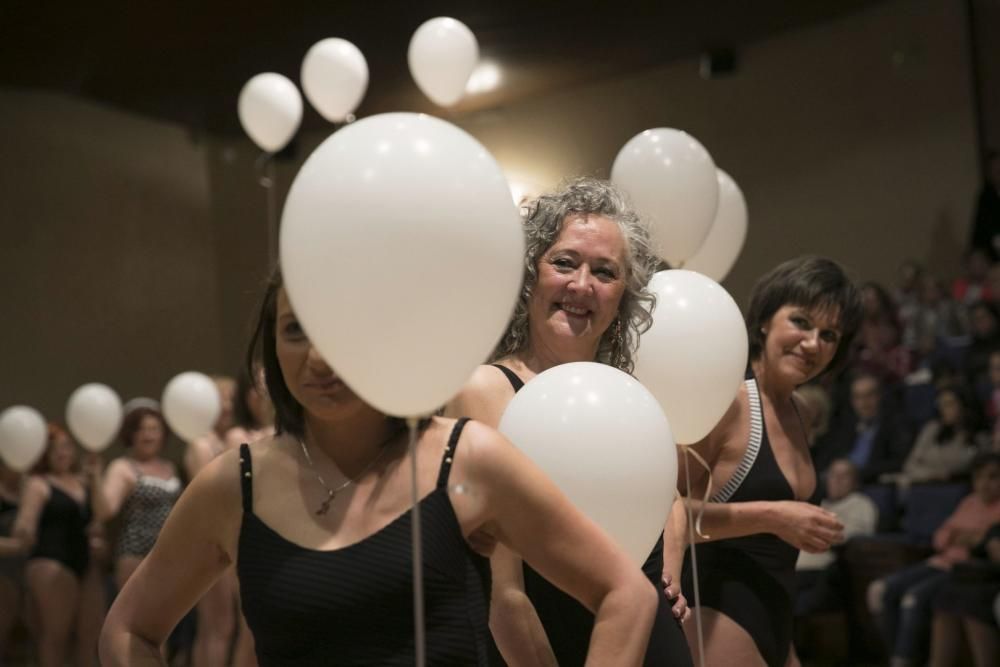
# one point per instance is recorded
(581, 280)
(949, 409)
(147, 443)
(309, 378)
(800, 342)
(61, 455)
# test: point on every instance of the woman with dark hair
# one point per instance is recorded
(583, 298)
(318, 522)
(64, 588)
(802, 317)
(945, 446)
(143, 486)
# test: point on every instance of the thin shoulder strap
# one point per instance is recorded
(449, 452)
(753, 447)
(246, 478)
(515, 381)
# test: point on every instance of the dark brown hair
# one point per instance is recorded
(133, 421)
(811, 282)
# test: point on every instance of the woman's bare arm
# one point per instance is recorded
(197, 543)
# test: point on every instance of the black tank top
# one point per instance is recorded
(354, 605)
(568, 623)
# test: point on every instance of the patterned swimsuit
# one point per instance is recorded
(144, 512)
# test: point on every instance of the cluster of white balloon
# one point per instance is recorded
(442, 54)
(402, 254)
(94, 416)
(694, 356)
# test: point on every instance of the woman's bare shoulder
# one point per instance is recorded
(484, 396)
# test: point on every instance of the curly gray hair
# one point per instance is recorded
(543, 221)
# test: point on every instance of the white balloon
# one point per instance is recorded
(270, 110)
(402, 255)
(694, 356)
(671, 180)
(191, 405)
(443, 52)
(22, 437)
(334, 78)
(94, 415)
(722, 246)
(603, 439)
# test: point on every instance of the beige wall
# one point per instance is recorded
(853, 139)
(106, 252)
(131, 253)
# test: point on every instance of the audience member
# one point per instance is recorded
(871, 435)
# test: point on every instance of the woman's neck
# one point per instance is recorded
(351, 442)
(538, 356)
(774, 389)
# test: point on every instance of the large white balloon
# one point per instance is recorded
(671, 180)
(443, 52)
(270, 110)
(191, 404)
(694, 355)
(402, 255)
(722, 246)
(334, 78)
(94, 415)
(22, 437)
(602, 437)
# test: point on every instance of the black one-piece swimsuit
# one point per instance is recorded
(568, 623)
(751, 579)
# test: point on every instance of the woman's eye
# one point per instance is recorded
(800, 322)
(562, 263)
(830, 336)
(606, 273)
(292, 329)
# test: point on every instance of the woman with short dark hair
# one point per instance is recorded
(802, 317)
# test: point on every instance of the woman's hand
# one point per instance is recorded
(679, 603)
(806, 527)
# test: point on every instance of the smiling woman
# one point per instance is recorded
(802, 317)
(584, 298)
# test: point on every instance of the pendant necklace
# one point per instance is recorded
(332, 493)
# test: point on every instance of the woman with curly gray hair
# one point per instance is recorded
(584, 298)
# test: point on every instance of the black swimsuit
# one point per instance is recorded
(354, 605)
(568, 623)
(751, 579)
(62, 531)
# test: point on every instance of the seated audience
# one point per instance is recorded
(902, 601)
(870, 435)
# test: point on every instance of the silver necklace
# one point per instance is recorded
(332, 493)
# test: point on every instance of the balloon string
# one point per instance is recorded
(694, 562)
(708, 490)
(267, 180)
(418, 569)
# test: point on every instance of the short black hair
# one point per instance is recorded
(808, 282)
